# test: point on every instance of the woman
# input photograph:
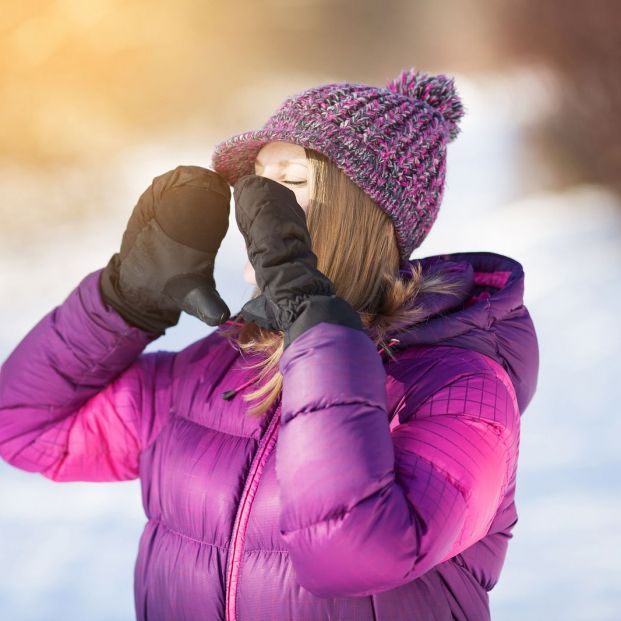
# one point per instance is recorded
(344, 447)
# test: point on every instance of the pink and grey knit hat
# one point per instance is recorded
(389, 141)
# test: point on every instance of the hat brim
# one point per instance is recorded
(233, 158)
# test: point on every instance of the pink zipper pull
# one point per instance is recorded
(234, 323)
(229, 394)
(386, 348)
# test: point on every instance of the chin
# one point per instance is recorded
(249, 274)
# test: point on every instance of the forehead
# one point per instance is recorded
(281, 152)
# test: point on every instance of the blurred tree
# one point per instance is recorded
(580, 40)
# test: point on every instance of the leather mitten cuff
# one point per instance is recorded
(322, 308)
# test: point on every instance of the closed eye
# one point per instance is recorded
(295, 182)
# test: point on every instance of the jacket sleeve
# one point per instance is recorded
(365, 510)
(78, 400)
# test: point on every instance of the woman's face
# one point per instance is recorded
(286, 163)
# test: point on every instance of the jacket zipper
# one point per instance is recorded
(238, 537)
(241, 521)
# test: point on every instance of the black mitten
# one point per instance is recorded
(168, 250)
(295, 294)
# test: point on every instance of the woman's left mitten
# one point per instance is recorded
(279, 248)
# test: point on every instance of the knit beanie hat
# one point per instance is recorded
(389, 141)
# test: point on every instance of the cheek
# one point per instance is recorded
(302, 198)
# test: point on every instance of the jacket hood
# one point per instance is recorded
(487, 315)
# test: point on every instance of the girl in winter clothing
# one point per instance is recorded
(344, 447)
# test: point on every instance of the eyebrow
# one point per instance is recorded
(283, 163)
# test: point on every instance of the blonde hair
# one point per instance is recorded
(356, 248)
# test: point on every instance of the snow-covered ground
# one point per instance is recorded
(67, 550)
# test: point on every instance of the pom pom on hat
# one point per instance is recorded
(436, 90)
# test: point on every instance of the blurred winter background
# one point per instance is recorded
(100, 96)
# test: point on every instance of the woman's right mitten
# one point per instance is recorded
(168, 251)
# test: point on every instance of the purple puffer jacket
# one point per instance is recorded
(373, 489)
